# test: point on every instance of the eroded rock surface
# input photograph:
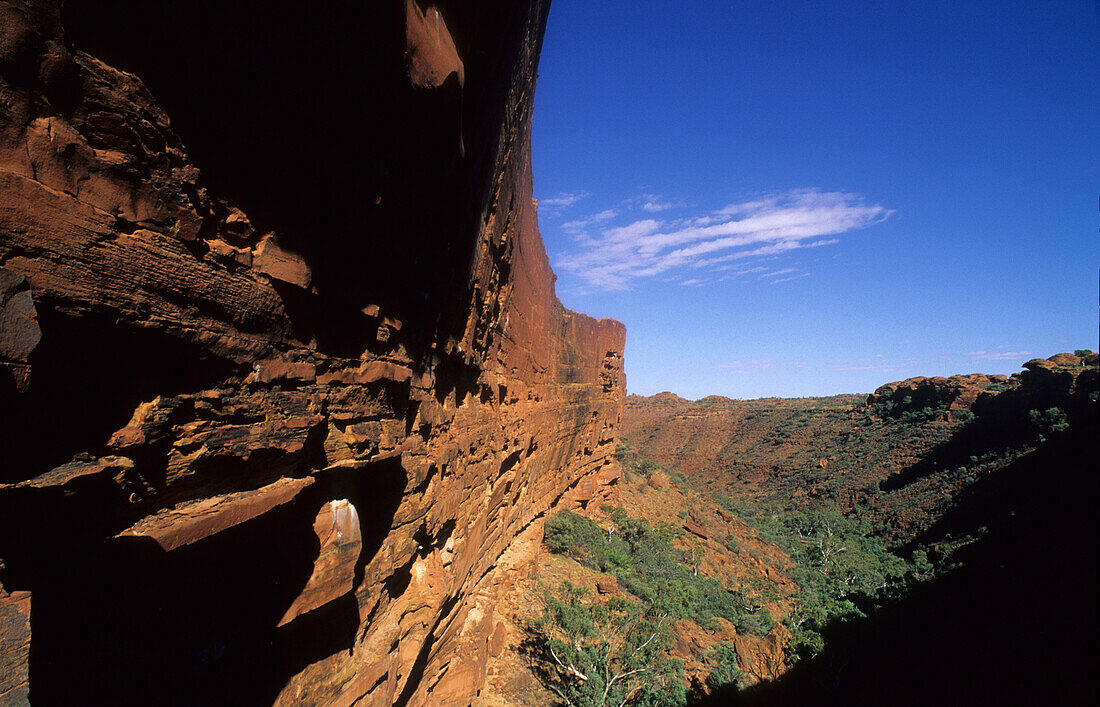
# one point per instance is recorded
(275, 444)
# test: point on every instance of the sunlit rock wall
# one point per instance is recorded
(268, 427)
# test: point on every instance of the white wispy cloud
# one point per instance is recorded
(655, 205)
(652, 203)
(741, 368)
(776, 273)
(997, 355)
(614, 257)
(789, 279)
(577, 227)
(562, 200)
(759, 366)
(871, 367)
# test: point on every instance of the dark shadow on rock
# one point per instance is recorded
(88, 375)
(135, 625)
(310, 122)
(1002, 424)
(121, 622)
(1014, 625)
(376, 492)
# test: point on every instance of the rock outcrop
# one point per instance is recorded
(269, 428)
(899, 455)
(984, 481)
(1064, 381)
(937, 392)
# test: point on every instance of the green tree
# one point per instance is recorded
(1050, 421)
(758, 623)
(724, 672)
(592, 653)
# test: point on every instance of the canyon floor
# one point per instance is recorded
(926, 544)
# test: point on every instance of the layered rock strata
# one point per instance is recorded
(269, 447)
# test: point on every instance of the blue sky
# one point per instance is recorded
(808, 198)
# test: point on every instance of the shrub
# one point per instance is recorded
(923, 568)
(613, 653)
(570, 534)
(615, 558)
(839, 566)
(724, 673)
(758, 623)
(645, 563)
(739, 508)
(1050, 421)
(963, 415)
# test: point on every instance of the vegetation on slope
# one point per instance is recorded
(840, 566)
(643, 560)
(854, 496)
(591, 652)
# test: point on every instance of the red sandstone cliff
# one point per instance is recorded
(269, 448)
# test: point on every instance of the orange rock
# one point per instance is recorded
(372, 371)
(189, 523)
(658, 480)
(409, 357)
(15, 646)
(272, 260)
(338, 531)
(763, 658)
(1065, 359)
(694, 527)
(496, 640)
(431, 52)
(280, 370)
(19, 330)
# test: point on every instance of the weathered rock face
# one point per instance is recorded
(937, 392)
(1063, 381)
(269, 448)
(900, 455)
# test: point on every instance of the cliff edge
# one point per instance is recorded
(269, 427)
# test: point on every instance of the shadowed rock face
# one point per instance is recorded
(270, 425)
(1003, 491)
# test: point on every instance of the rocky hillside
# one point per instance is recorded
(884, 549)
(283, 376)
(896, 456)
(965, 483)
